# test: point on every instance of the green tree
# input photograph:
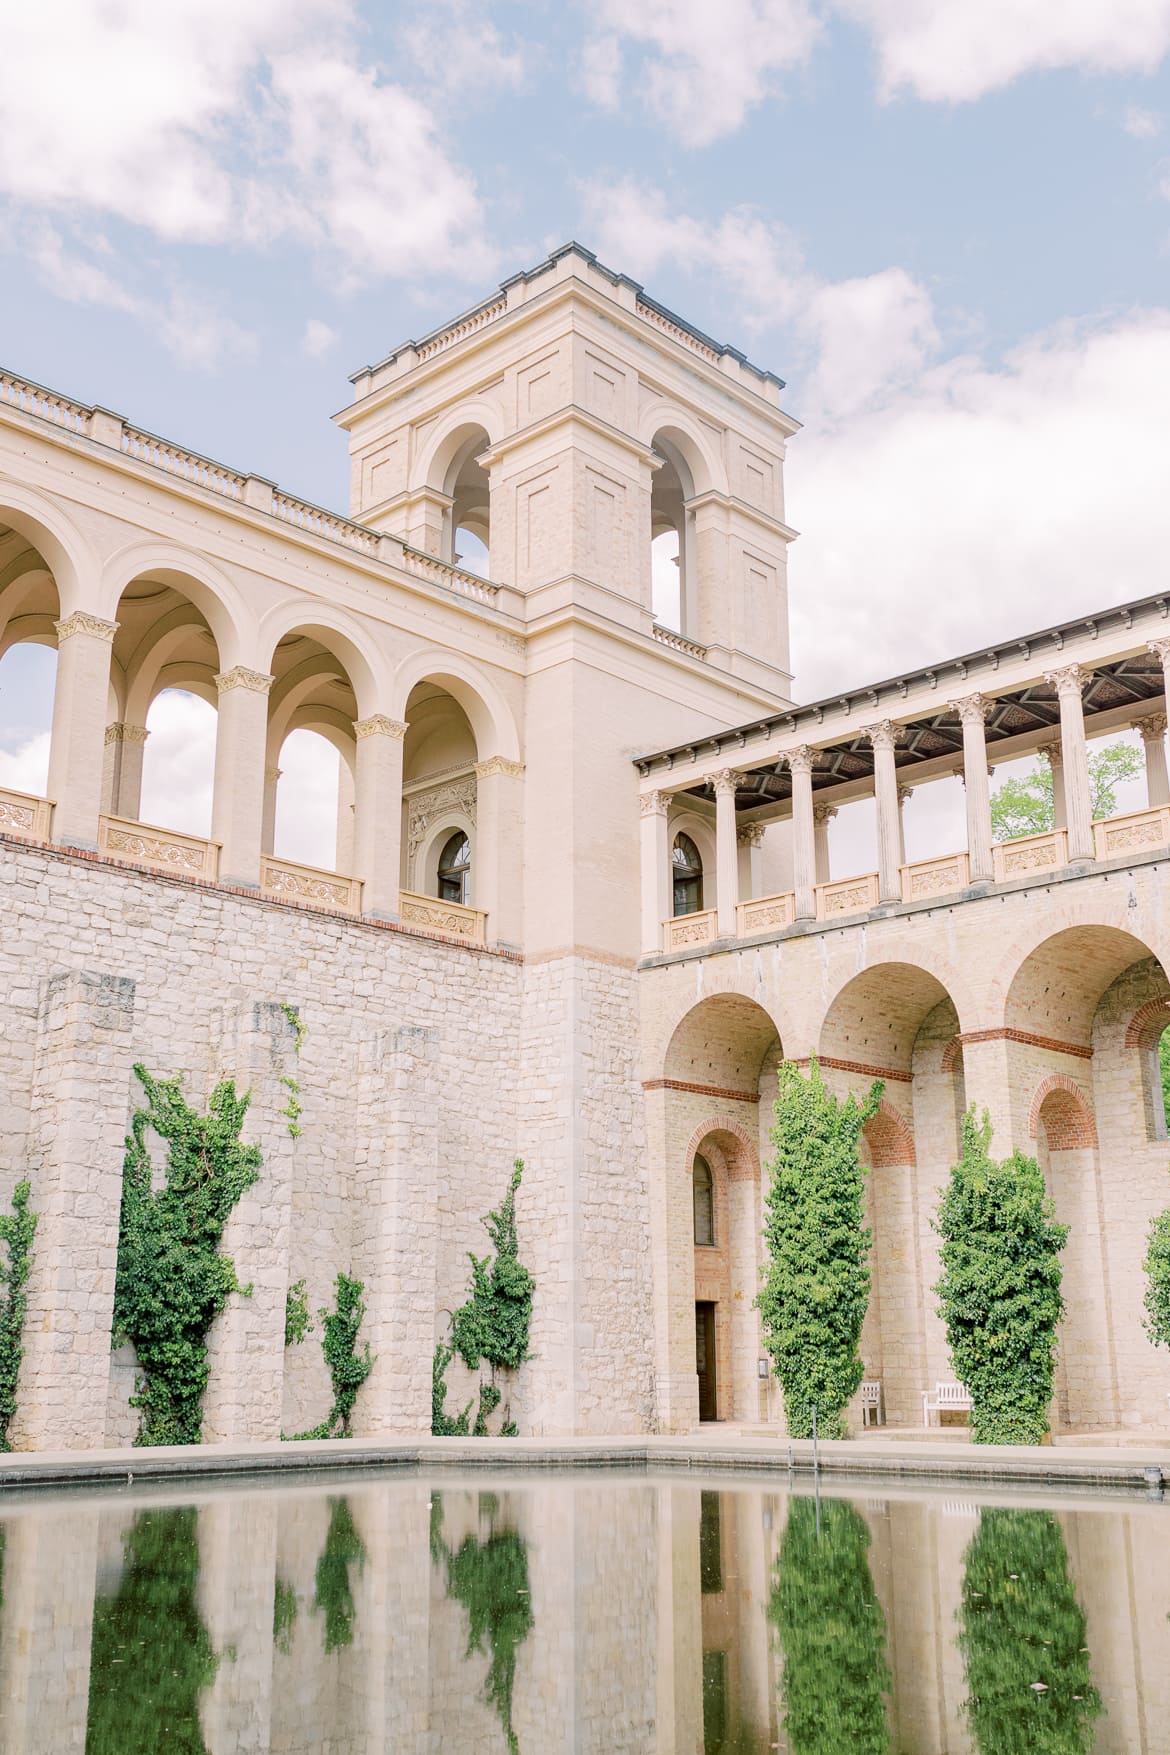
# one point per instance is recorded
(1000, 1287)
(1164, 1072)
(16, 1233)
(172, 1282)
(333, 1593)
(1027, 806)
(832, 1633)
(490, 1579)
(493, 1326)
(816, 1282)
(151, 1656)
(1030, 1690)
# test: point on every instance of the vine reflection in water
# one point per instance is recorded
(1030, 1690)
(334, 1587)
(490, 1578)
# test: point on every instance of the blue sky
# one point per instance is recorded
(946, 225)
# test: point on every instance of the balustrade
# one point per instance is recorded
(293, 882)
(451, 919)
(1030, 854)
(847, 896)
(23, 814)
(160, 849)
(1115, 837)
(686, 930)
(935, 877)
(766, 914)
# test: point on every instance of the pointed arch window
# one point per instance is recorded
(686, 867)
(455, 870)
(704, 1196)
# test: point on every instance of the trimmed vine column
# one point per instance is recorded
(823, 815)
(77, 744)
(241, 740)
(1069, 682)
(377, 815)
(1153, 736)
(726, 853)
(1055, 759)
(122, 772)
(973, 711)
(497, 867)
(654, 808)
(803, 832)
(883, 737)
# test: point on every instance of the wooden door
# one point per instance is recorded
(705, 1359)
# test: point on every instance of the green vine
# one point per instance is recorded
(348, 1369)
(151, 1654)
(172, 1282)
(490, 1579)
(293, 1108)
(832, 1633)
(1030, 1690)
(285, 1608)
(1157, 1272)
(1000, 1287)
(16, 1232)
(297, 1321)
(333, 1595)
(299, 1027)
(816, 1282)
(494, 1324)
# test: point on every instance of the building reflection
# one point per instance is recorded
(526, 1616)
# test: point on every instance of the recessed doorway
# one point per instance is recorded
(705, 1360)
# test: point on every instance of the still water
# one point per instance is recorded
(581, 1614)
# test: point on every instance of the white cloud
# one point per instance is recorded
(954, 50)
(26, 768)
(456, 49)
(702, 67)
(1141, 124)
(229, 121)
(199, 336)
(318, 339)
(178, 763)
(306, 800)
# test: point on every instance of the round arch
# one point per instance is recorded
(889, 1138)
(159, 652)
(1055, 987)
(222, 606)
(424, 875)
(340, 637)
(738, 1149)
(683, 434)
(1062, 1107)
(68, 554)
(487, 712)
(873, 1018)
(720, 1045)
(450, 436)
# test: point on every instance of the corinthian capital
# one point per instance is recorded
(800, 760)
(885, 735)
(378, 725)
(242, 678)
(1159, 647)
(972, 709)
(81, 622)
(653, 804)
(1070, 679)
(1152, 727)
(724, 780)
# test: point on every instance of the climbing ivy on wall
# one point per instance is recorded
(1000, 1287)
(151, 1655)
(348, 1369)
(172, 1280)
(293, 1108)
(1157, 1271)
(297, 1321)
(832, 1633)
(493, 1326)
(333, 1596)
(490, 1579)
(16, 1234)
(1030, 1689)
(816, 1281)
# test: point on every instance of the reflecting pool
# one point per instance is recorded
(515, 1615)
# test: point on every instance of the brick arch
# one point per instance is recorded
(1070, 1124)
(888, 1136)
(951, 1053)
(1147, 1023)
(744, 1165)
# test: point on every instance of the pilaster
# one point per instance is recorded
(377, 841)
(77, 744)
(237, 813)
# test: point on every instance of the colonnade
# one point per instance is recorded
(1067, 755)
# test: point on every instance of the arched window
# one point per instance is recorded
(455, 869)
(704, 1192)
(687, 871)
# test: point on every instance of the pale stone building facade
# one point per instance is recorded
(581, 904)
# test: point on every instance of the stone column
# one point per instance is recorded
(497, 881)
(726, 855)
(268, 826)
(750, 841)
(82, 1096)
(377, 817)
(241, 741)
(973, 711)
(254, 1044)
(656, 897)
(122, 771)
(884, 736)
(1069, 681)
(1153, 735)
(803, 833)
(823, 815)
(77, 746)
(346, 814)
(1052, 754)
(1161, 650)
(904, 792)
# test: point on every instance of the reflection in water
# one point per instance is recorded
(605, 1615)
(1023, 1640)
(151, 1656)
(334, 1592)
(832, 1633)
(490, 1579)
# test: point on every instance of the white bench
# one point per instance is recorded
(871, 1404)
(948, 1398)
